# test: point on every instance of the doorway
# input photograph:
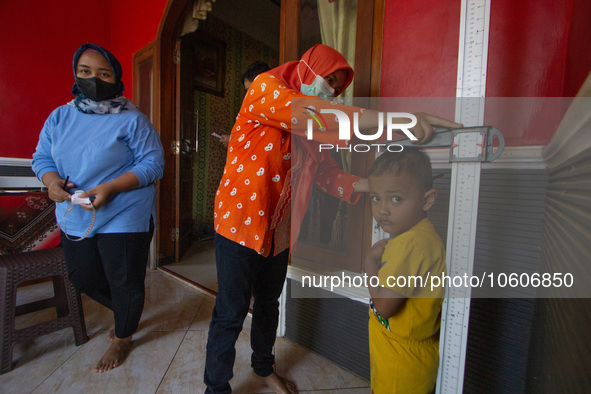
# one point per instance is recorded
(212, 59)
(163, 83)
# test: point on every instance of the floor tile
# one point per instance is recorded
(169, 304)
(168, 354)
(311, 371)
(34, 360)
(141, 372)
(185, 374)
(97, 317)
(198, 265)
(365, 390)
(203, 316)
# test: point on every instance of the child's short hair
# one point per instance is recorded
(253, 70)
(411, 161)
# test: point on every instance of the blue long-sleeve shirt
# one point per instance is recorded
(94, 149)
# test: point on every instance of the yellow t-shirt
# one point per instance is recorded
(404, 358)
(415, 255)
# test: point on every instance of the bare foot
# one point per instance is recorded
(279, 385)
(114, 355)
(111, 335)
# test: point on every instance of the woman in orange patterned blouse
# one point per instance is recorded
(253, 205)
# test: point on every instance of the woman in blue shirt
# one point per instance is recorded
(102, 144)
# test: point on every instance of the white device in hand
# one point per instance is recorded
(76, 199)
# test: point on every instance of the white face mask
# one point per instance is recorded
(319, 86)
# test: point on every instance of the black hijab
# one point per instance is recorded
(113, 62)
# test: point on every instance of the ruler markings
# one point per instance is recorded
(465, 182)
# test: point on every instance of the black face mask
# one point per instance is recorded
(96, 89)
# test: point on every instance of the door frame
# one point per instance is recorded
(146, 96)
(168, 33)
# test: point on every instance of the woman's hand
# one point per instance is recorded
(225, 139)
(55, 187)
(426, 123)
(56, 191)
(101, 193)
(361, 186)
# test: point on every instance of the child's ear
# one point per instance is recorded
(429, 199)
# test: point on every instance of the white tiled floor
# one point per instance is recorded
(167, 356)
(198, 265)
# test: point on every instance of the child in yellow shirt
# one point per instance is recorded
(404, 313)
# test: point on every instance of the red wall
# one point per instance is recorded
(37, 49)
(578, 57)
(527, 59)
(36, 64)
(420, 49)
(535, 50)
(134, 24)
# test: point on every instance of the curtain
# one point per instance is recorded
(338, 28)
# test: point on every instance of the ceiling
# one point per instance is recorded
(257, 18)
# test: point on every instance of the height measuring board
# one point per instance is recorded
(464, 190)
(469, 147)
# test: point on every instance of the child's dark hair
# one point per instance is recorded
(411, 161)
(253, 70)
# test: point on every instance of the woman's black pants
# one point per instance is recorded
(242, 272)
(111, 269)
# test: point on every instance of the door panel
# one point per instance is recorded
(146, 73)
(186, 147)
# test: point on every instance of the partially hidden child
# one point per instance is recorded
(404, 313)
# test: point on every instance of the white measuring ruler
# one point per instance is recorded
(464, 190)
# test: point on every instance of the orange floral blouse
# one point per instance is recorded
(252, 204)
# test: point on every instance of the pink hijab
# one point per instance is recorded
(321, 58)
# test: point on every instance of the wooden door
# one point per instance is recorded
(146, 72)
(185, 146)
(175, 197)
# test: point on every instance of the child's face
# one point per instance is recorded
(398, 203)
